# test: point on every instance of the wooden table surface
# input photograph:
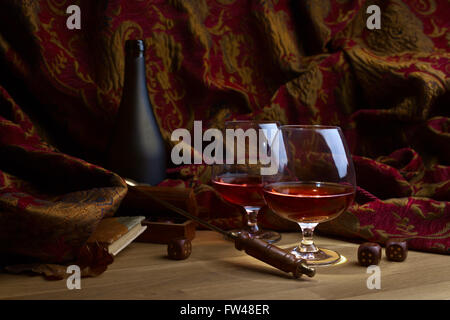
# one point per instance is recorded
(216, 270)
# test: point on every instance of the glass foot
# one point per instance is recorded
(266, 235)
(322, 257)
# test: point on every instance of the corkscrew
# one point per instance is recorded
(259, 249)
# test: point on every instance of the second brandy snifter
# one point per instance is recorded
(314, 183)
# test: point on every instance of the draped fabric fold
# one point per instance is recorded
(303, 62)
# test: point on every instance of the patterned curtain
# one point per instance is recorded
(299, 62)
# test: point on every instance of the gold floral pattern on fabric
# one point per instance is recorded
(306, 88)
(276, 26)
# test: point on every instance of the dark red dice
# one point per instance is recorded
(179, 249)
(396, 250)
(369, 253)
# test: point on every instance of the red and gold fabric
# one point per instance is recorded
(302, 62)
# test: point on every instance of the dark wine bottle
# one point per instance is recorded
(136, 149)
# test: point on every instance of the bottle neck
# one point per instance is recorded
(134, 76)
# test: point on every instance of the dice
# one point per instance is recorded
(179, 249)
(369, 253)
(396, 250)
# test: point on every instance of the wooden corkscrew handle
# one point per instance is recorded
(274, 256)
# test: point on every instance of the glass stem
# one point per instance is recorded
(251, 219)
(307, 243)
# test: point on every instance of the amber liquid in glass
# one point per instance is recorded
(240, 189)
(308, 202)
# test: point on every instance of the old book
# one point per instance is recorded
(117, 232)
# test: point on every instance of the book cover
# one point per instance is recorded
(117, 232)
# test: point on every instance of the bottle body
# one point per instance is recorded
(136, 149)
